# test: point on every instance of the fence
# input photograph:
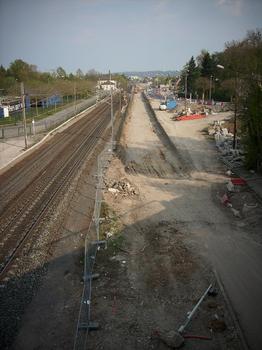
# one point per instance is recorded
(46, 124)
(85, 324)
(93, 242)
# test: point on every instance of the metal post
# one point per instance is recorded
(235, 114)
(23, 109)
(186, 92)
(120, 102)
(75, 97)
(33, 126)
(112, 113)
(191, 314)
(36, 106)
(210, 87)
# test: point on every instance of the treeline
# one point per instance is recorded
(46, 83)
(233, 75)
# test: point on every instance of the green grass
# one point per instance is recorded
(115, 244)
(111, 223)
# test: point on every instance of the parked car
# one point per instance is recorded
(162, 106)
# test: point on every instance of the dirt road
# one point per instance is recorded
(175, 231)
(233, 245)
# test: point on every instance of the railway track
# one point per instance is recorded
(25, 212)
(16, 179)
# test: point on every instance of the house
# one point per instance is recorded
(107, 85)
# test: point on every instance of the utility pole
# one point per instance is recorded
(186, 92)
(97, 91)
(36, 106)
(235, 113)
(23, 109)
(120, 101)
(75, 97)
(210, 87)
(112, 113)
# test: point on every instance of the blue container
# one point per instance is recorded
(27, 102)
(171, 104)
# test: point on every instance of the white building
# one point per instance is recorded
(106, 85)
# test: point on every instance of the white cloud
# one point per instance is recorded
(235, 7)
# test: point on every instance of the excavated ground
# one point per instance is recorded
(159, 218)
(154, 271)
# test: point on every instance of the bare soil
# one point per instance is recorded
(153, 272)
(168, 235)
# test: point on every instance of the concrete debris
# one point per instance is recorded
(236, 212)
(211, 132)
(248, 208)
(121, 186)
(230, 187)
(108, 234)
(224, 142)
(113, 190)
(229, 173)
(236, 185)
(172, 339)
(224, 131)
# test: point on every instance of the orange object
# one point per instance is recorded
(191, 117)
(238, 181)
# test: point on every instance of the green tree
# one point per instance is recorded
(207, 66)
(2, 72)
(202, 86)
(21, 70)
(189, 76)
(79, 74)
(192, 76)
(252, 125)
(61, 73)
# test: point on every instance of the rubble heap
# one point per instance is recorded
(224, 142)
(121, 186)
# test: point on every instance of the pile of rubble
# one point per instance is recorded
(224, 142)
(239, 199)
(122, 187)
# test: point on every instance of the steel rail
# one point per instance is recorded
(15, 180)
(36, 182)
(74, 160)
(69, 168)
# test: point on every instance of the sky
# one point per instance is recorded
(120, 35)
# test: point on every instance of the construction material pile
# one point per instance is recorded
(188, 114)
(232, 157)
(122, 187)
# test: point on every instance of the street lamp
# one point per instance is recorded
(235, 108)
(210, 88)
(186, 75)
(112, 113)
